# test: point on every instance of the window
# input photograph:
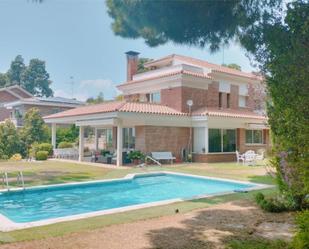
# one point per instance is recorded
(214, 140)
(254, 136)
(242, 101)
(220, 100)
(155, 97)
(128, 138)
(228, 100)
(221, 140)
(229, 140)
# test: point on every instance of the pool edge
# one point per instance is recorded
(7, 225)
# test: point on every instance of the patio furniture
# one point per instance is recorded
(239, 157)
(250, 157)
(260, 155)
(163, 156)
(67, 153)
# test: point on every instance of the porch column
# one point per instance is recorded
(81, 144)
(53, 134)
(119, 144)
(96, 139)
(206, 139)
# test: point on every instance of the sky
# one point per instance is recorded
(75, 39)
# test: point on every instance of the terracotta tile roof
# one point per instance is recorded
(202, 63)
(118, 106)
(185, 72)
(228, 113)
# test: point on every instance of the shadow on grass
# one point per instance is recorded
(216, 228)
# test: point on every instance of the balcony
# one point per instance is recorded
(167, 70)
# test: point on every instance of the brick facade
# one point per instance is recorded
(7, 97)
(243, 147)
(213, 158)
(159, 138)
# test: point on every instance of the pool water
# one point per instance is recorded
(66, 200)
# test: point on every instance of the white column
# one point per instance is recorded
(96, 139)
(81, 144)
(206, 139)
(119, 144)
(53, 134)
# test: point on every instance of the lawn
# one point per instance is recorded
(52, 172)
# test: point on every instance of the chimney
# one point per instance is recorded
(132, 62)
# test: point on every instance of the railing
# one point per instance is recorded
(20, 180)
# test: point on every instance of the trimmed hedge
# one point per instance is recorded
(64, 145)
(41, 155)
(45, 147)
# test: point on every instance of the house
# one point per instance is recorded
(181, 105)
(15, 102)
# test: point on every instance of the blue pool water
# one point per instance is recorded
(60, 201)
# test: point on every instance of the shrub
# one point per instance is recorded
(41, 155)
(275, 204)
(45, 147)
(64, 145)
(301, 239)
(105, 152)
(16, 157)
(136, 155)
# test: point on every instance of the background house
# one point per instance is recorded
(15, 102)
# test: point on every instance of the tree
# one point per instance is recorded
(16, 70)
(140, 65)
(99, 99)
(35, 79)
(233, 66)
(4, 81)
(190, 22)
(34, 129)
(10, 143)
(67, 134)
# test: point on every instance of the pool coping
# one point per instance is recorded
(7, 225)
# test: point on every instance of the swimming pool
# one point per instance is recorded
(51, 203)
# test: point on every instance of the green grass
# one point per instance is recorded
(258, 244)
(52, 172)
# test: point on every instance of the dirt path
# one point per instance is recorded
(206, 228)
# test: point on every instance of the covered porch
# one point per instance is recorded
(122, 132)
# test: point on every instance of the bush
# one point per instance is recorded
(136, 155)
(64, 145)
(41, 155)
(45, 147)
(105, 152)
(275, 204)
(16, 157)
(301, 239)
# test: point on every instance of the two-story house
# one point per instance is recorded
(182, 105)
(16, 101)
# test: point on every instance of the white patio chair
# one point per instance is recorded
(239, 157)
(260, 155)
(250, 157)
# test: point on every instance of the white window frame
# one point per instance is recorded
(252, 137)
(240, 102)
(151, 97)
(221, 134)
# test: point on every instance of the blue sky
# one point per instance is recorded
(74, 37)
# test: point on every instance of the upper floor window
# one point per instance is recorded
(155, 97)
(242, 101)
(220, 99)
(228, 100)
(254, 136)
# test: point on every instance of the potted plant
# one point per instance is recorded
(136, 156)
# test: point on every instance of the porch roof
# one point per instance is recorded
(118, 106)
(228, 113)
